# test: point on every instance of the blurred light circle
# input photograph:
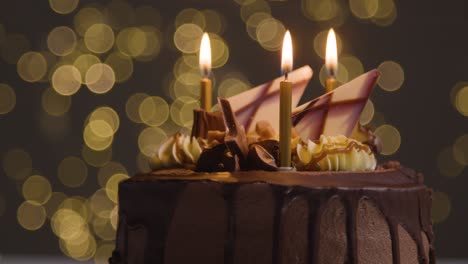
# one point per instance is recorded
(150, 139)
(392, 76)
(61, 41)
(341, 77)
(367, 113)
(152, 44)
(320, 10)
(110, 169)
(53, 203)
(390, 137)
(112, 185)
(187, 38)
(72, 172)
(254, 21)
(122, 66)
(94, 141)
(101, 128)
(17, 164)
(67, 224)
(447, 164)
(32, 66)
(66, 80)
(131, 41)
(63, 6)
(190, 16)
(37, 189)
(256, 6)
(7, 99)
(114, 219)
(13, 47)
(103, 228)
(386, 13)
(99, 38)
(460, 149)
(461, 101)
(84, 62)
(101, 205)
(185, 103)
(364, 9)
(31, 216)
(320, 42)
(96, 158)
(54, 103)
(132, 106)
(270, 34)
(82, 250)
(78, 205)
(108, 115)
(219, 51)
(232, 86)
(353, 66)
(214, 21)
(87, 17)
(103, 252)
(100, 78)
(441, 207)
(154, 111)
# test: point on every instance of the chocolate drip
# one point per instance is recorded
(229, 244)
(204, 121)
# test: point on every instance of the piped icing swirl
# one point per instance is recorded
(333, 153)
(178, 151)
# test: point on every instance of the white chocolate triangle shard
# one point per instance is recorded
(262, 102)
(336, 112)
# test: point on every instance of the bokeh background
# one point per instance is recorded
(88, 89)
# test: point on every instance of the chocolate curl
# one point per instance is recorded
(204, 121)
(235, 139)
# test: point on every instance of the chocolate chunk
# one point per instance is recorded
(215, 159)
(204, 121)
(260, 159)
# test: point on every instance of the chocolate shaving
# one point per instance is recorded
(235, 139)
(216, 159)
(204, 121)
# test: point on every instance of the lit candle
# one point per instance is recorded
(205, 69)
(331, 60)
(285, 103)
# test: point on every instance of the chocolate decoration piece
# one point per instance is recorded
(255, 216)
(260, 159)
(216, 159)
(204, 121)
(366, 136)
(235, 138)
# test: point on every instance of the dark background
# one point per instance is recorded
(428, 39)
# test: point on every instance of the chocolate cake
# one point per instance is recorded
(218, 195)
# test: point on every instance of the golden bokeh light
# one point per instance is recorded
(17, 164)
(214, 21)
(386, 13)
(103, 228)
(187, 38)
(256, 6)
(87, 17)
(232, 86)
(79, 205)
(103, 252)
(190, 16)
(37, 189)
(63, 6)
(122, 66)
(150, 139)
(132, 106)
(72, 172)
(270, 33)
(107, 115)
(447, 164)
(320, 10)
(153, 111)
(441, 207)
(84, 62)
(342, 75)
(219, 51)
(66, 80)
(101, 205)
(390, 137)
(32, 66)
(460, 149)
(392, 76)
(254, 21)
(61, 41)
(114, 219)
(364, 9)
(99, 38)
(367, 113)
(52, 205)
(54, 103)
(13, 47)
(112, 185)
(94, 141)
(96, 158)
(100, 78)
(31, 216)
(110, 169)
(182, 111)
(461, 101)
(353, 66)
(143, 43)
(320, 42)
(7, 99)
(67, 224)
(82, 248)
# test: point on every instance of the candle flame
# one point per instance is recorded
(287, 54)
(205, 55)
(331, 54)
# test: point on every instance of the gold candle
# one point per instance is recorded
(331, 60)
(205, 68)
(285, 103)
